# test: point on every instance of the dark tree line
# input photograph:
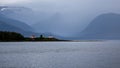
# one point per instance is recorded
(13, 36)
(10, 36)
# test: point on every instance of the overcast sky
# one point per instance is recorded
(79, 6)
(75, 13)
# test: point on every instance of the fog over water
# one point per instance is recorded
(73, 15)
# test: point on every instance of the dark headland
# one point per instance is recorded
(6, 36)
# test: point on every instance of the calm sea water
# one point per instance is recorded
(99, 54)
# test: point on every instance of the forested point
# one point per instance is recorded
(14, 36)
(10, 36)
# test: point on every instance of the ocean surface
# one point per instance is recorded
(95, 54)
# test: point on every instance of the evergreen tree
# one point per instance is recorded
(41, 36)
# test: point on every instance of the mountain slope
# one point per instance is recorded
(20, 13)
(48, 24)
(105, 26)
(16, 23)
(8, 24)
(7, 27)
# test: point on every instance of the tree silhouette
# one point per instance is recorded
(10, 36)
(41, 36)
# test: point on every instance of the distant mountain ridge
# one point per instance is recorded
(7, 27)
(105, 26)
(20, 13)
(16, 23)
(9, 24)
(42, 26)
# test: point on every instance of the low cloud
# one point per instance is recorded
(6, 2)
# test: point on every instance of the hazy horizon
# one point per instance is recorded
(72, 15)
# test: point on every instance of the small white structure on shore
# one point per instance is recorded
(33, 37)
(50, 36)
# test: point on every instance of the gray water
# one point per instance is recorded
(99, 54)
